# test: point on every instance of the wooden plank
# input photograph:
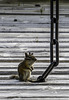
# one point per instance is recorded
(31, 9)
(16, 98)
(35, 94)
(38, 64)
(35, 72)
(21, 29)
(33, 87)
(31, 35)
(29, 39)
(65, 59)
(31, 20)
(21, 50)
(56, 70)
(44, 19)
(29, 44)
(50, 77)
(49, 82)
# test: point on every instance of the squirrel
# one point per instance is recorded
(25, 68)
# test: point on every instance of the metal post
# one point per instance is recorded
(53, 40)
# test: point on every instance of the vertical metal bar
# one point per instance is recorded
(52, 31)
(56, 35)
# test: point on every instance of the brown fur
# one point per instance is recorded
(25, 68)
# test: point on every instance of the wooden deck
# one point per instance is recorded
(31, 32)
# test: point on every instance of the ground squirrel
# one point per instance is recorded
(25, 68)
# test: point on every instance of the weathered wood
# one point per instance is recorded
(17, 98)
(31, 9)
(49, 82)
(31, 32)
(50, 77)
(29, 94)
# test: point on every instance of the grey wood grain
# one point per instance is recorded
(31, 32)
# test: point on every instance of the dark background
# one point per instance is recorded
(16, 1)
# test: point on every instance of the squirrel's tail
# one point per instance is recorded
(14, 77)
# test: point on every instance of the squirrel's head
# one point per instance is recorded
(30, 56)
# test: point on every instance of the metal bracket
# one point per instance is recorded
(53, 40)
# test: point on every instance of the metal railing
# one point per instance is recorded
(53, 39)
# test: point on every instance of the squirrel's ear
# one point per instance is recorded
(26, 54)
(32, 54)
(29, 53)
